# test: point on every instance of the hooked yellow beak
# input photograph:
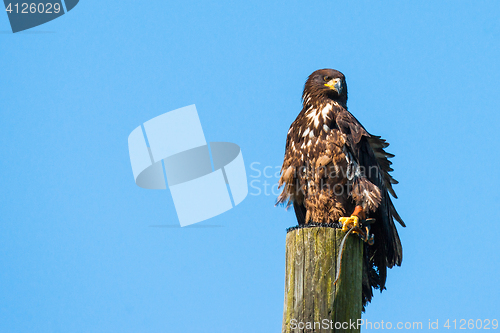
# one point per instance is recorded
(335, 84)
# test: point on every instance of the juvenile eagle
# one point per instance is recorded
(335, 171)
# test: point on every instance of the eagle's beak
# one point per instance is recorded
(335, 84)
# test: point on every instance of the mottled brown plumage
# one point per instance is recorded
(332, 164)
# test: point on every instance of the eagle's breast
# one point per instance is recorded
(315, 160)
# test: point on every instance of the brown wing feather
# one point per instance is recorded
(368, 150)
(377, 144)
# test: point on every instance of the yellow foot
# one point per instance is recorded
(349, 222)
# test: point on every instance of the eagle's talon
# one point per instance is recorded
(349, 222)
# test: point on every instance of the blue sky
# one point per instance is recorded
(78, 253)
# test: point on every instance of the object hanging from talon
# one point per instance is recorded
(371, 240)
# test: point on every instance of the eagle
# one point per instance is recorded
(335, 172)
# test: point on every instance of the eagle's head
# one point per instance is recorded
(325, 84)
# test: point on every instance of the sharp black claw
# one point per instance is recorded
(364, 231)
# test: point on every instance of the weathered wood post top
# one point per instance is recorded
(313, 303)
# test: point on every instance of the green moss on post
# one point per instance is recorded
(311, 298)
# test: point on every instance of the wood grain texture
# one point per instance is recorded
(311, 298)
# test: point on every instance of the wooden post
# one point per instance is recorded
(311, 298)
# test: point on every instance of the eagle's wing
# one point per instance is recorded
(377, 145)
(294, 186)
(368, 152)
(288, 170)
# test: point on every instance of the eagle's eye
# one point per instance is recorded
(326, 78)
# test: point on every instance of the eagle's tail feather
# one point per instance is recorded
(300, 212)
